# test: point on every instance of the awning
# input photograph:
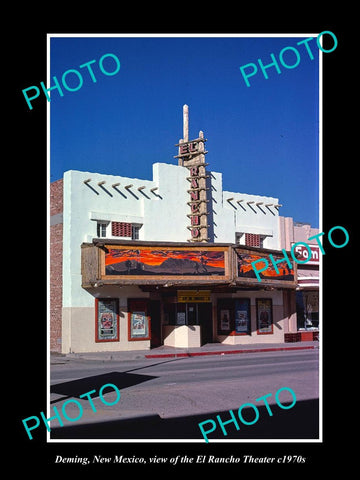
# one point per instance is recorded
(175, 264)
(307, 278)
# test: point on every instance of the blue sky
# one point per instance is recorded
(263, 138)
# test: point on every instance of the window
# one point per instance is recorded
(101, 229)
(252, 240)
(135, 232)
(118, 229)
(238, 237)
(121, 229)
(307, 310)
(124, 229)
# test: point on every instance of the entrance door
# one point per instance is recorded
(192, 315)
(155, 314)
(206, 322)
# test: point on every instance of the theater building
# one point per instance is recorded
(135, 264)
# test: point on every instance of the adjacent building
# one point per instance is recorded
(137, 263)
(307, 291)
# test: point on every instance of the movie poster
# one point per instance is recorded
(138, 324)
(107, 320)
(225, 319)
(242, 316)
(264, 315)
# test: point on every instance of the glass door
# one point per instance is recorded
(192, 313)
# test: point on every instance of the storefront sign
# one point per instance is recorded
(198, 199)
(302, 253)
(195, 202)
(264, 263)
(188, 148)
(192, 156)
(194, 296)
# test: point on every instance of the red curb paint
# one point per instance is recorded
(228, 352)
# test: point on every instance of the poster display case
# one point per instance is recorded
(106, 320)
(139, 320)
(264, 316)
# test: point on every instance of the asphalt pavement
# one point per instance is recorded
(168, 398)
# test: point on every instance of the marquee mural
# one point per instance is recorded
(144, 261)
(245, 269)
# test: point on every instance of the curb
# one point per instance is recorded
(228, 352)
(178, 353)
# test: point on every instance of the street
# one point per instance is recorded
(167, 398)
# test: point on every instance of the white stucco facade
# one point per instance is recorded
(159, 208)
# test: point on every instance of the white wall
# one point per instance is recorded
(163, 214)
(252, 218)
(165, 219)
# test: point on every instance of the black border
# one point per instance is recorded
(27, 64)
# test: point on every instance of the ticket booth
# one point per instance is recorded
(188, 319)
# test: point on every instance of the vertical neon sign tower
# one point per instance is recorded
(192, 156)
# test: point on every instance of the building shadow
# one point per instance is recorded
(300, 422)
(75, 388)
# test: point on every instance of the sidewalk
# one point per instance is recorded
(207, 349)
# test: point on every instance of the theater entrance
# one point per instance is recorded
(191, 314)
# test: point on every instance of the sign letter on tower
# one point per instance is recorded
(192, 156)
